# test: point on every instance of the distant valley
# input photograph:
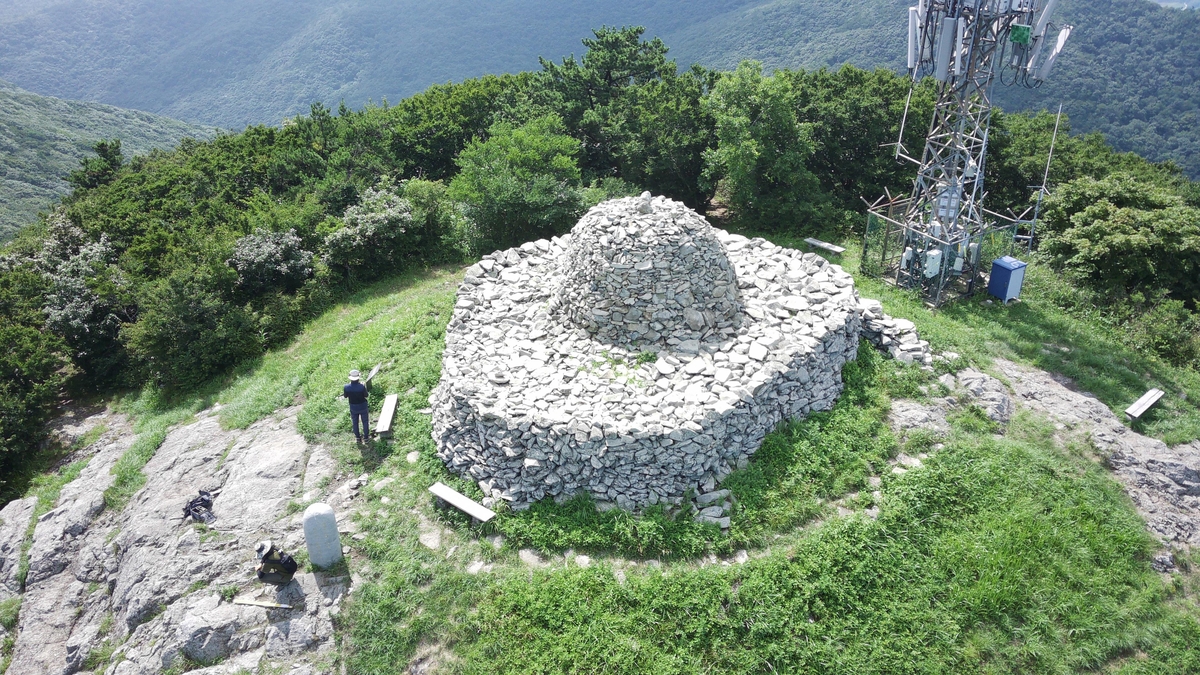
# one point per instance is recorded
(42, 140)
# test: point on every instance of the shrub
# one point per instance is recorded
(186, 332)
(371, 239)
(520, 184)
(267, 261)
(87, 297)
(1168, 329)
(1122, 235)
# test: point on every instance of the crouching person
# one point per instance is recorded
(274, 566)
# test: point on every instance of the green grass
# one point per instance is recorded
(998, 556)
(10, 610)
(101, 657)
(1002, 555)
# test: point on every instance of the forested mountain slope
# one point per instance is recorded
(1130, 68)
(233, 63)
(1129, 71)
(42, 140)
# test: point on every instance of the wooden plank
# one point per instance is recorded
(462, 502)
(825, 245)
(1143, 404)
(374, 372)
(256, 603)
(384, 425)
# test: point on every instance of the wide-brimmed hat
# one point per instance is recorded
(354, 375)
(264, 549)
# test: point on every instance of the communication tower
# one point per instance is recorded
(939, 238)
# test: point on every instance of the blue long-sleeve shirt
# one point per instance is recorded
(357, 393)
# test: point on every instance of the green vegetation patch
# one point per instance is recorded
(1000, 555)
(997, 555)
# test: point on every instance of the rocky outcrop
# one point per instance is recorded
(1163, 482)
(150, 582)
(988, 393)
(14, 523)
(644, 355)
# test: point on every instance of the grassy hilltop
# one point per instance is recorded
(254, 269)
(1013, 553)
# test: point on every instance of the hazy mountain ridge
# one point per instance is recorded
(1129, 70)
(43, 138)
(277, 57)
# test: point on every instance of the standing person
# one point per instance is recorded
(357, 393)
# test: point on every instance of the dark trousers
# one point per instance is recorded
(362, 416)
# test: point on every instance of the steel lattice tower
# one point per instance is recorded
(937, 239)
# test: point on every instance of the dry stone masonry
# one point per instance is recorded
(642, 356)
(897, 337)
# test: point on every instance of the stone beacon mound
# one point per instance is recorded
(642, 356)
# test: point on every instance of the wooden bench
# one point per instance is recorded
(1143, 404)
(825, 245)
(462, 502)
(383, 428)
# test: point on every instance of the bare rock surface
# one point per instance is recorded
(14, 522)
(146, 579)
(908, 415)
(988, 393)
(1163, 482)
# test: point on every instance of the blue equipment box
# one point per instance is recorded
(1008, 274)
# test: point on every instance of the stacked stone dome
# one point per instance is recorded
(543, 396)
(642, 271)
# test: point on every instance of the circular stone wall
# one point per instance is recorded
(633, 274)
(537, 400)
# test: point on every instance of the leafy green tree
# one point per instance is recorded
(424, 133)
(762, 151)
(31, 363)
(1124, 236)
(661, 131)
(519, 184)
(853, 118)
(1018, 146)
(186, 332)
(587, 94)
(98, 170)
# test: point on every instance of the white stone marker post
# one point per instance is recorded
(321, 535)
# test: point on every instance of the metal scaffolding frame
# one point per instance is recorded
(940, 238)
